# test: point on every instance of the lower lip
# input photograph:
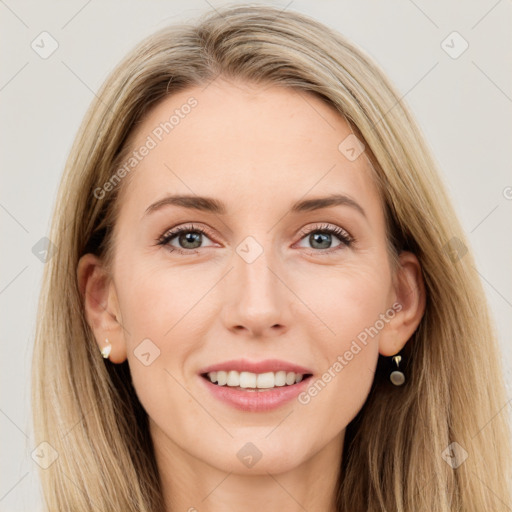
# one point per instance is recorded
(256, 401)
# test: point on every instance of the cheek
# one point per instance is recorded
(347, 301)
(357, 310)
(155, 299)
(157, 305)
(354, 308)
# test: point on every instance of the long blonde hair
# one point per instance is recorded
(398, 453)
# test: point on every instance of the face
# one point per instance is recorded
(253, 279)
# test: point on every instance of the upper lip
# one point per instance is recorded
(245, 365)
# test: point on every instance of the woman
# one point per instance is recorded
(255, 238)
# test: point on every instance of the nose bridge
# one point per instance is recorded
(259, 300)
(253, 265)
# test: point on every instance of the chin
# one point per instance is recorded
(259, 454)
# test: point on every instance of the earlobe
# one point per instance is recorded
(409, 292)
(101, 307)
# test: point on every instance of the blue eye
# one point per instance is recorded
(323, 234)
(190, 238)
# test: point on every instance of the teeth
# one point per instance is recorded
(267, 380)
(233, 379)
(247, 380)
(280, 378)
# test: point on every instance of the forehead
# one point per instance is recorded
(254, 146)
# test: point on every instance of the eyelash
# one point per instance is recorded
(346, 239)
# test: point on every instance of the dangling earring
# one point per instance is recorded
(397, 377)
(105, 351)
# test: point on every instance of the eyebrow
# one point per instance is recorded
(211, 205)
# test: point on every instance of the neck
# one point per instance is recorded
(193, 485)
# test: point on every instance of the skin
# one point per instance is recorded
(258, 149)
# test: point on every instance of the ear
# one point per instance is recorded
(101, 306)
(409, 294)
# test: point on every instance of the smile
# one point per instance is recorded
(262, 392)
(249, 380)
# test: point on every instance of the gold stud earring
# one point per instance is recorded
(105, 351)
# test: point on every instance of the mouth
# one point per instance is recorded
(255, 386)
(248, 381)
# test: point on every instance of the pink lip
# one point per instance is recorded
(251, 400)
(256, 400)
(244, 365)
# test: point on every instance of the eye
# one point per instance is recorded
(321, 237)
(188, 237)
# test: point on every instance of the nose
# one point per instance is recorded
(258, 300)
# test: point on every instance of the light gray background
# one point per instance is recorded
(463, 106)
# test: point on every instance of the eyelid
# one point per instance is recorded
(185, 227)
(325, 226)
